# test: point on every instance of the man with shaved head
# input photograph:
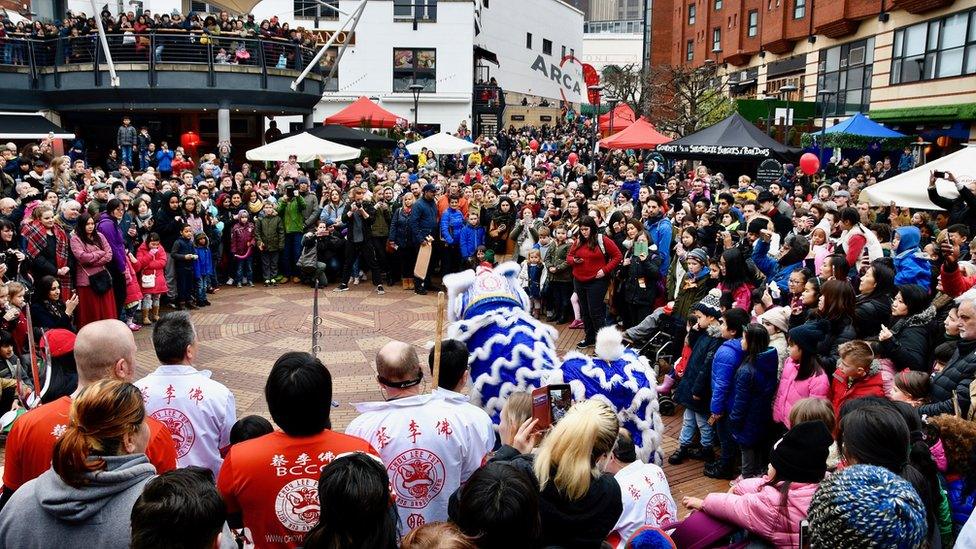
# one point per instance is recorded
(103, 350)
(430, 443)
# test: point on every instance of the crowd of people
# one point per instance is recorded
(824, 350)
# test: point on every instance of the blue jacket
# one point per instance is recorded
(633, 187)
(780, 274)
(727, 359)
(752, 402)
(165, 160)
(203, 266)
(698, 372)
(423, 220)
(910, 267)
(451, 222)
(661, 233)
(401, 231)
(471, 238)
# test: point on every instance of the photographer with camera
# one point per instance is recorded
(960, 211)
(359, 216)
(291, 208)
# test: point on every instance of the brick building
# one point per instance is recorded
(908, 63)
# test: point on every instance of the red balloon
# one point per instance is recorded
(534, 145)
(573, 158)
(809, 163)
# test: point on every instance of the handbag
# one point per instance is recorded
(100, 282)
(149, 280)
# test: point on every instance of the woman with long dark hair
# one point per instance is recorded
(109, 227)
(640, 273)
(910, 341)
(735, 278)
(92, 253)
(502, 222)
(592, 259)
(16, 262)
(836, 307)
(356, 507)
(48, 310)
(873, 306)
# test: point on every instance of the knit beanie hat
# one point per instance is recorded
(801, 455)
(778, 317)
(866, 506)
(807, 336)
(649, 537)
(698, 254)
(709, 304)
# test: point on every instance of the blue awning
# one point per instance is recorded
(865, 127)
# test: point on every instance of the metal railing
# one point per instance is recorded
(159, 50)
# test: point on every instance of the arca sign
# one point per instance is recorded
(560, 75)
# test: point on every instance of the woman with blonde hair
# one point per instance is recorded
(99, 469)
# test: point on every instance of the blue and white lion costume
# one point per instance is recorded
(512, 351)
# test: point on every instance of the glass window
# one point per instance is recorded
(846, 70)
(716, 39)
(915, 40)
(547, 46)
(425, 10)
(800, 9)
(753, 23)
(528, 40)
(954, 31)
(690, 50)
(950, 63)
(414, 64)
(718, 5)
(833, 59)
(310, 9)
(940, 48)
(970, 66)
(691, 14)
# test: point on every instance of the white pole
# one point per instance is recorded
(354, 19)
(104, 41)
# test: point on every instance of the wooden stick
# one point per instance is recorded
(441, 309)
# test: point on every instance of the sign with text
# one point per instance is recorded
(770, 170)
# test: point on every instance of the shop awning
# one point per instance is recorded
(363, 113)
(482, 53)
(29, 125)
(733, 138)
(639, 135)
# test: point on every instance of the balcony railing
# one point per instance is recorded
(159, 50)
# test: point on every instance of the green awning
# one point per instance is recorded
(963, 111)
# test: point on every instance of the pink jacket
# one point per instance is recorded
(133, 291)
(149, 263)
(90, 259)
(760, 509)
(791, 390)
(741, 297)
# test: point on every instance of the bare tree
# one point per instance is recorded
(683, 100)
(625, 83)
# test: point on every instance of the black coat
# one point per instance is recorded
(870, 313)
(912, 342)
(697, 380)
(641, 279)
(953, 381)
(840, 331)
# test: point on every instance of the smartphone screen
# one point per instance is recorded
(550, 403)
(640, 248)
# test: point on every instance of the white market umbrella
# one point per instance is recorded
(443, 143)
(306, 147)
(910, 189)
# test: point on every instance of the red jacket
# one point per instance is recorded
(871, 385)
(593, 259)
(954, 283)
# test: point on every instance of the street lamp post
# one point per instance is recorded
(769, 99)
(788, 119)
(612, 101)
(415, 89)
(598, 89)
(824, 95)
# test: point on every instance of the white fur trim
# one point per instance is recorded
(457, 283)
(609, 343)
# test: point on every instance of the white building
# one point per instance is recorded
(603, 49)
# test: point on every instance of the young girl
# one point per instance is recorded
(150, 263)
(184, 258)
(911, 387)
(532, 278)
(772, 507)
(14, 319)
(802, 374)
(777, 323)
(133, 294)
(755, 386)
(242, 246)
(818, 409)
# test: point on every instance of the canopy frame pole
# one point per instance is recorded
(354, 19)
(114, 78)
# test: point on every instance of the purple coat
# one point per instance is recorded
(109, 228)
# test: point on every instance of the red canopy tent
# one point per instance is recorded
(364, 113)
(639, 135)
(623, 116)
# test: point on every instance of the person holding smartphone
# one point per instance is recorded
(960, 211)
(593, 257)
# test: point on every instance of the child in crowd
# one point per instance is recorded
(803, 376)
(727, 359)
(242, 247)
(532, 277)
(14, 319)
(271, 240)
(857, 375)
(943, 354)
(911, 387)
(772, 507)
(472, 237)
(150, 264)
(777, 323)
(9, 364)
(203, 269)
(559, 276)
(451, 224)
(133, 294)
(958, 439)
(184, 257)
(818, 409)
(249, 427)
(754, 387)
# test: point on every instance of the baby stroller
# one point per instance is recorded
(660, 347)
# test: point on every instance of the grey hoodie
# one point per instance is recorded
(47, 512)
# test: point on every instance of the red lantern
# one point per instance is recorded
(809, 163)
(572, 159)
(534, 145)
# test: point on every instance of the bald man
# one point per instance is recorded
(430, 443)
(103, 350)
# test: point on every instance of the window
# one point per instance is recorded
(421, 10)
(717, 39)
(799, 9)
(690, 50)
(941, 48)
(528, 40)
(718, 5)
(547, 46)
(846, 70)
(563, 56)
(753, 22)
(311, 9)
(411, 64)
(203, 7)
(691, 14)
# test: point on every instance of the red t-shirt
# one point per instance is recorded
(273, 481)
(30, 445)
